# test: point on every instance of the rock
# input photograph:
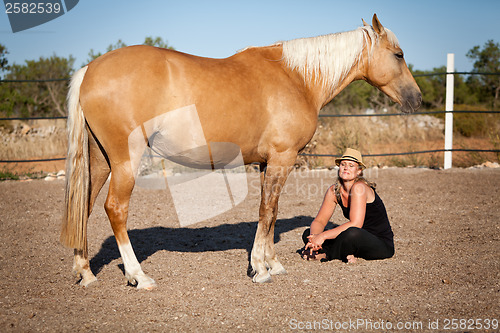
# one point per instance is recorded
(490, 165)
(61, 175)
(50, 177)
(25, 129)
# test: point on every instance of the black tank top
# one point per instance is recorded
(376, 221)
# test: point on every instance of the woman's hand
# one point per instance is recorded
(315, 242)
(308, 254)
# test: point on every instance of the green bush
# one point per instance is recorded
(470, 124)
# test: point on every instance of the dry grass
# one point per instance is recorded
(31, 140)
(38, 139)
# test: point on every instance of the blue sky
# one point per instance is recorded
(427, 30)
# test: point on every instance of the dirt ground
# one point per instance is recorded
(445, 275)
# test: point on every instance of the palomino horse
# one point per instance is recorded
(265, 100)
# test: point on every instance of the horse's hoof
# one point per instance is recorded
(278, 271)
(150, 287)
(87, 282)
(262, 278)
(87, 279)
(146, 284)
(141, 281)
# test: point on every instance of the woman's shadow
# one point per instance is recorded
(223, 237)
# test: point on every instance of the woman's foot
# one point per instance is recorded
(312, 255)
(351, 259)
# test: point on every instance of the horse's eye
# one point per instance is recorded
(399, 55)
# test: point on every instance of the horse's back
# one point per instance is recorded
(239, 99)
(146, 77)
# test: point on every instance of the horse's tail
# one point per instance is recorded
(76, 203)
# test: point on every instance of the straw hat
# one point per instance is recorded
(351, 155)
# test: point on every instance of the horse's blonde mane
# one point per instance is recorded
(329, 58)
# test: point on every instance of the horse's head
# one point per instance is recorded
(386, 69)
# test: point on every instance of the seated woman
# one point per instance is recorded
(367, 234)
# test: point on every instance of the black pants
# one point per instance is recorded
(355, 241)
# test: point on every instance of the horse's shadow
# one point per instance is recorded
(223, 237)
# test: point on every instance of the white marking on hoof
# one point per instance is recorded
(146, 284)
(141, 281)
(133, 271)
(262, 278)
(278, 270)
(87, 279)
(86, 275)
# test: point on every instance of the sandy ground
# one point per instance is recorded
(444, 277)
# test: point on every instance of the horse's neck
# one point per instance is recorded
(353, 75)
(322, 94)
(356, 72)
(319, 91)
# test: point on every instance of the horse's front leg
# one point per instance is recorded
(273, 178)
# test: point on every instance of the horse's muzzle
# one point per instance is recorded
(411, 101)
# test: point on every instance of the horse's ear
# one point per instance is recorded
(364, 23)
(377, 26)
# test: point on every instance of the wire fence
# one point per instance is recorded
(321, 116)
(34, 160)
(34, 80)
(457, 73)
(411, 152)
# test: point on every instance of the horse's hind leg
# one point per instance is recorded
(99, 172)
(117, 203)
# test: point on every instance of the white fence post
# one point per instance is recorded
(448, 125)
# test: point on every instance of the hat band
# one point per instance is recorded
(351, 157)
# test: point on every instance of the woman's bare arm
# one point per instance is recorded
(325, 212)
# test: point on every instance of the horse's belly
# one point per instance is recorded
(178, 136)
